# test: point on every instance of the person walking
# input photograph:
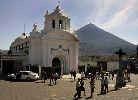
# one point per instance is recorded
(51, 79)
(82, 86)
(55, 76)
(102, 85)
(128, 77)
(92, 83)
(82, 75)
(74, 75)
(106, 82)
(97, 76)
(45, 76)
(71, 73)
(112, 73)
(78, 89)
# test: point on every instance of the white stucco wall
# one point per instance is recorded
(112, 66)
(53, 40)
(35, 51)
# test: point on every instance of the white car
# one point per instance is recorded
(28, 75)
(24, 75)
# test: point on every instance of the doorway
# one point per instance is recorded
(56, 62)
(57, 65)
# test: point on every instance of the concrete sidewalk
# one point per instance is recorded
(69, 76)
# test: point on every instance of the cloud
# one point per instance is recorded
(101, 9)
(113, 13)
(117, 18)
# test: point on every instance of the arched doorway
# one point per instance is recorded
(56, 62)
(57, 65)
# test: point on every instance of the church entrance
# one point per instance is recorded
(56, 62)
(57, 65)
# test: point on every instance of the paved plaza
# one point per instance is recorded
(64, 90)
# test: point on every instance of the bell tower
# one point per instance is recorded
(56, 20)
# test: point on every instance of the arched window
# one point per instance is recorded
(65, 26)
(53, 23)
(61, 24)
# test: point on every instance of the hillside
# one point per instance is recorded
(95, 41)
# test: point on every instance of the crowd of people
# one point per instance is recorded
(80, 84)
(104, 80)
(73, 74)
(53, 78)
(104, 85)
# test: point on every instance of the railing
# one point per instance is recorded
(11, 56)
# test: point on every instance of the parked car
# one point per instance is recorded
(23, 75)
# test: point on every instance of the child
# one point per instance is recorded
(106, 82)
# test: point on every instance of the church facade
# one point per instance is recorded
(54, 46)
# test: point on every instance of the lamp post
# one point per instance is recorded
(120, 75)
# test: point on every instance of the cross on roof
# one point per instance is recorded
(120, 53)
(35, 25)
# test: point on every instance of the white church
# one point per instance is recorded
(52, 46)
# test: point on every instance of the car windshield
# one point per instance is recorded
(31, 72)
(16, 73)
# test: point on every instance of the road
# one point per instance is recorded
(64, 90)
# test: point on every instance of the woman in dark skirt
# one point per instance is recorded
(82, 85)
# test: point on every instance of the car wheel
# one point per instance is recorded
(28, 79)
(10, 78)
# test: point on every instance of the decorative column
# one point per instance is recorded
(62, 69)
(40, 70)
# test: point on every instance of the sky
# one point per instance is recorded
(119, 17)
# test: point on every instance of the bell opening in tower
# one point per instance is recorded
(60, 24)
(53, 23)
